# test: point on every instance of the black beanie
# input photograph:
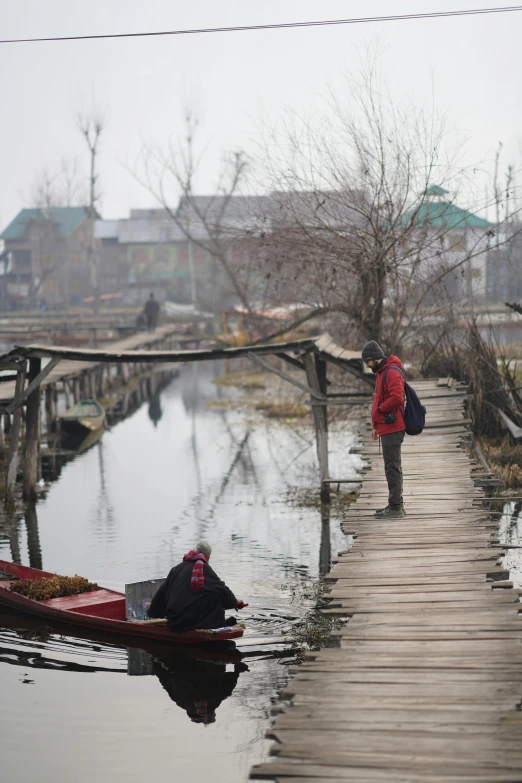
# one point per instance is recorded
(371, 350)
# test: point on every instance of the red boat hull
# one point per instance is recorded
(101, 609)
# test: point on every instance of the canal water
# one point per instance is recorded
(127, 510)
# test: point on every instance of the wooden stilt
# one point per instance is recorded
(50, 409)
(325, 554)
(2, 439)
(316, 376)
(32, 434)
(12, 462)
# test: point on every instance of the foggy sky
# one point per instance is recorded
(234, 80)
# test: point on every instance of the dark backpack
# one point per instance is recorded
(415, 413)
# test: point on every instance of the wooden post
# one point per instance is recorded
(316, 377)
(66, 394)
(325, 554)
(50, 409)
(32, 434)
(12, 462)
(101, 380)
(2, 438)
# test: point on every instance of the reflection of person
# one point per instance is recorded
(192, 596)
(155, 412)
(151, 313)
(198, 687)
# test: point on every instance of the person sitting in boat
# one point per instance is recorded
(193, 596)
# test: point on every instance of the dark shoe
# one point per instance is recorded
(390, 512)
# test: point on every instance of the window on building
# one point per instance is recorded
(21, 260)
(458, 242)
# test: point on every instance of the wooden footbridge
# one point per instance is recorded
(89, 369)
(425, 682)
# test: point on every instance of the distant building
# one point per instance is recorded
(504, 278)
(455, 238)
(147, 253)
(46, 257)
(177, 259)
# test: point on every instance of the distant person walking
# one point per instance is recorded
(151, 313)
(388, 421)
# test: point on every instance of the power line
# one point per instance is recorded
(281, 26)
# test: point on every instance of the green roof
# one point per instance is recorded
(442, 214)
(66, 218)
(436, 190)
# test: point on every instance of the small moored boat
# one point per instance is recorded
(84, 417)
(101, 609)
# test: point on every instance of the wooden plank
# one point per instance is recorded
(426, 677)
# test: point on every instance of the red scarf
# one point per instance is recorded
(197, 580)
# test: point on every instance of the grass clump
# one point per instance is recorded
(53, 587)
(243, 380)
(282, 410)
(313, 632)
(308, 497)
(505, 460)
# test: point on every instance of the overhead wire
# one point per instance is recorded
(276, 26)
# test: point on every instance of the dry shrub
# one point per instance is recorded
(282, 410)
(53, 587)
(469, 359)
(243, 380)
(505, 459)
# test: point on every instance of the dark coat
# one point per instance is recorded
(151, 309)
(185, 610)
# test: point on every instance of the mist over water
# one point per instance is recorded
(127, 510)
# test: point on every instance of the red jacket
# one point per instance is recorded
(392, 401)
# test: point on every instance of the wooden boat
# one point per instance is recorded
(222, 651)
(84, 417)
(101, 609)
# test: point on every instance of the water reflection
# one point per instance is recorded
(195, 679)
(155, 412)
(198, 687)
(33, 537)
(510, 534)
(126, 510)
(11, 532)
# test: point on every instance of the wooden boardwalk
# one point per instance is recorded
(67, 369)
(426, 682)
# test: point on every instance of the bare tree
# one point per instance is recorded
(364, 220)
(91, 126)
(169, 174)
(49, 192)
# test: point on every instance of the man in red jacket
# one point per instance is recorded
(388, 422)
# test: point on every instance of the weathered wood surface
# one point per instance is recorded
(69, 369)
(137, 348)
(426, 680)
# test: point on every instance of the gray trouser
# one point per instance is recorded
(391, 451)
